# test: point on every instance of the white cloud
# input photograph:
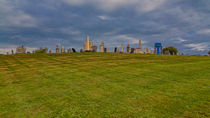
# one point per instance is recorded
(104, 17)
(75, 2)
(204, 31)
(131, 40)
(11, 16)
(110, 5)
(198, 46)
(181, 40)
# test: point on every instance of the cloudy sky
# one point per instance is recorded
(184, 24)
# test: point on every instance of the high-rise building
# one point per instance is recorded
(102, 47)
(62, 49)
(128, 48)
(122, 47)
(87, 44)
(139, 50)
(91, 45)
(57, 49)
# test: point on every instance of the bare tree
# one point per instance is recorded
(209, 52)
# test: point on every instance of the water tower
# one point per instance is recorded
(158, 48)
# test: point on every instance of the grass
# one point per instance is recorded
(94, 85)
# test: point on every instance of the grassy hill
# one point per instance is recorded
(98, 85)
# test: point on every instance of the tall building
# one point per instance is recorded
(91, 45)
(57, 49)
(122, 47)
(62, 49)
(20, 50)
(140, 45)
(102, 47)
(128, 48)
(87, 44)
(139, 50)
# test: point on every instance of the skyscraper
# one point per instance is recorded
(122, 47)
(57, 49)
(128, 48)
(62, 49)
(102, 47)
(91, 45)
(87, 44)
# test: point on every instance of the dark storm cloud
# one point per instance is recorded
(184, 24)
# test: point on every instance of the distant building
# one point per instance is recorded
(128, 48)
(57, 49)
(122, 48)
(88, 45)
(62, 49)
(102, 47)
(20, 50)
(139, 50)
(94, 48)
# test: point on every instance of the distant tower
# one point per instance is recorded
(122, 47)
(87, 44)
(102, 47)
(91, 45)
(62, 49)
(128, 48)
(158, 48)
(57, 49)
(140, 45)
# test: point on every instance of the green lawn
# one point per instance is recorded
(94, 85)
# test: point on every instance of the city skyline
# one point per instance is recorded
(35, 24)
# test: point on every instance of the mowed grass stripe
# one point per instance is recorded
(104, 85)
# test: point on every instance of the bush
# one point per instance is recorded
(43, 50)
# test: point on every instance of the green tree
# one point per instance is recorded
(42, 50)
(170, 50)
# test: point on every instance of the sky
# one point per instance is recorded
(184, 24)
